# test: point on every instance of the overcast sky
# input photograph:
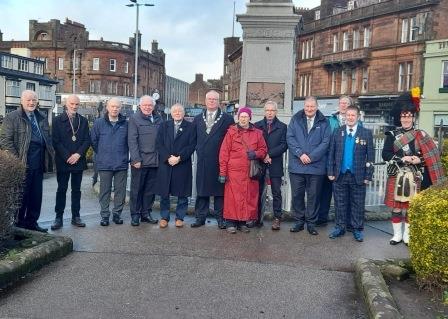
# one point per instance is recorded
(190, 32)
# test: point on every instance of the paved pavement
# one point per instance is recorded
(122, 271)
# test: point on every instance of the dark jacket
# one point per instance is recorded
(110, 143)
(315, 144)
(363, 153)
(175, 180)
(142, 134)
(276, 142)
(16, 135)
(207, 149)
(65, 147)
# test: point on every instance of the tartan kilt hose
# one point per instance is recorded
(389, 199)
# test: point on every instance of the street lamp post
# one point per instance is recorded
(137, 5)
(74, 70)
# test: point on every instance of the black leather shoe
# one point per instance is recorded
(78, 222)
(312, 230)
(117, 220)
(57, 224)
(39, 229)
(197, 223)
(221, 224)
(135, 221)
(296, 228)
(104, 221)
(148, 219)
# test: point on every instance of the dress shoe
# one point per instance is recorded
(57, 224)
(312, 230)
(197, 223)
(163, 223)
(296, 228)
(148, 219)
(117, 219)
(231, 230)
(104, 221)
(276, 224)
(221, 224)
(251, 224)
(76, 221)
(358, 235)
(38, 228)
(135, 220)
(179, 223)
(336, 232)
(244, 229)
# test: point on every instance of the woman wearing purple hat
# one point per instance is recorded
(242, 143)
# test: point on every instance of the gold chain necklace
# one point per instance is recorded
(71, 126)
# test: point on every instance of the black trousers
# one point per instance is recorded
(202, 207)
(75, 178)
(276, 185)
(29, 210)
(142, 190)
(311, 185)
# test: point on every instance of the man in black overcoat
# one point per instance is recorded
(71, 141)
(211, 126)
(274, 133)
(175, 143)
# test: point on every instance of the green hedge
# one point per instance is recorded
(12, 175)
(428, 215)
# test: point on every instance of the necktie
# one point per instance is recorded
(269, 128)
(210, 118)
(34, 126)
(151, 119)
(176, 128)
(309, 124)
(350, 134)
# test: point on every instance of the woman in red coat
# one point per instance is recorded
(242, 143)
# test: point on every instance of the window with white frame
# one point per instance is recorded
(96, 64)
(39, 68)
(126, 67)
(445, 75)
(333, 82)
(355, 39)
(367, 37)
(345, 41)
(307, 49)
(317, 15)
(305, 85)
(45, 92)
(7, 62)
(344, 82)
(12, 88)
(354, 81)
(365, 80)
(405, 72)
(126, 90)
(409, 29)
(112, 65)
(335, 42)
(23, 65)
(60, 64)
(440, 122)
(31, 86)
(303, 50)
(95, 86)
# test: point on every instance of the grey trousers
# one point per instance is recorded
(119, 179)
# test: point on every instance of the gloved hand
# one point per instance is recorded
(251, 155)
(222, 179)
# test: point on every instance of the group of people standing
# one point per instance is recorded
(235, 161)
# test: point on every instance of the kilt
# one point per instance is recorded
(389, 199)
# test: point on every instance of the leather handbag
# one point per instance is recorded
(255, 169)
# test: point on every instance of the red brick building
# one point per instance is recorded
(369, 49)
(199, 88)
(101, 68)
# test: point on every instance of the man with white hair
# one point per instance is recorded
(26, 134)
(109, 141)
(175, 143)
(71, 140)
(142, 134)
